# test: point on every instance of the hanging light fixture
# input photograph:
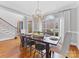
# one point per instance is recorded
(38, 12)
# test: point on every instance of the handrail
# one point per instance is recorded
(8, 23)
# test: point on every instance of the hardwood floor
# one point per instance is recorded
(73, 51)
(12, 49)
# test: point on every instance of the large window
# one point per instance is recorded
(51, 25)
(21, 24)
(29, 26)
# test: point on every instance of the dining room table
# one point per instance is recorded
(42, 39)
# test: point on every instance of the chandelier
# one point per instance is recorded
(38, 13)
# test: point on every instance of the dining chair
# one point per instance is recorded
(41, 48)
(26, 42)
(22, 40)
(30, 44)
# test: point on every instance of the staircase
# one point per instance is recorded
(7, 31)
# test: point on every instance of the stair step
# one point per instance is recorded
(6, 30)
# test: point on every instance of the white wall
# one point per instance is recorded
(78, 27)
(10, 17)
(72, 24)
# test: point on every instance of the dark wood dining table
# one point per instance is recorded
(48, 54)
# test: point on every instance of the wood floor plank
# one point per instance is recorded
(12, 49)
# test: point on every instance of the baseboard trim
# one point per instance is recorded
(10, 38)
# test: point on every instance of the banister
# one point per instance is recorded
(8, 23)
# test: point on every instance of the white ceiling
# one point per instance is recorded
(29, 7)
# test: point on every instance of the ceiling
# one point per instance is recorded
(29, 7)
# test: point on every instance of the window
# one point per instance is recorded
(51, 25)
(29, 26)
(21, 24)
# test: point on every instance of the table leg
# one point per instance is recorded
(48, 55)
(22, 41)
